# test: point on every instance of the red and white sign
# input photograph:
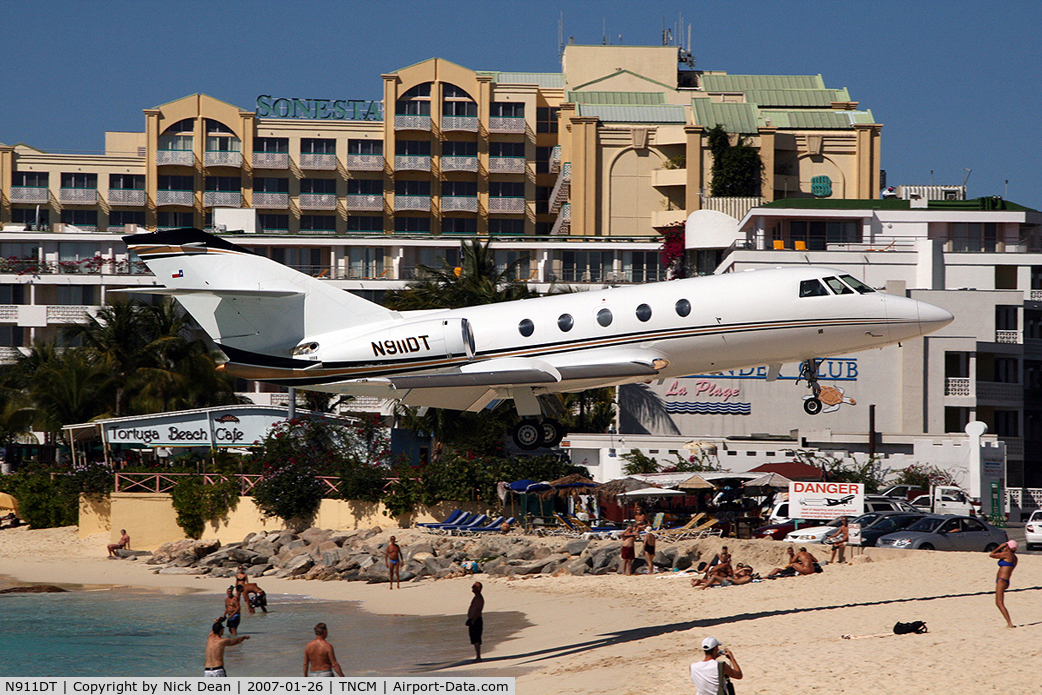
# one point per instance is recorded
(825, 501)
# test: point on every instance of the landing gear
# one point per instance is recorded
(809, 372)
(531, 434)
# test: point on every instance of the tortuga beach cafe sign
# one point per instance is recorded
(325, 109)
(205, 428)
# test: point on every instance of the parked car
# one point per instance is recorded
(818, 534)
(945, 499)
(1033, 529)
(941, 532)
(885, 524)
(904, 492)
(873, 503)
(778, 531)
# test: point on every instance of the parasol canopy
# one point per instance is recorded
(569, 486)
(696, 482)
(613, 488)
(650, 493)
(771, 481)
(7, 502)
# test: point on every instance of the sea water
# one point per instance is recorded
(140, 633)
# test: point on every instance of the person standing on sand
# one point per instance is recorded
(232, 610)
(839, 541)
(319, 656)
(393, 558)
(629, 538)
(1006, 554)
(123, 544)
(213, 667)
(707, 673)
(649, 550)
(475, 624)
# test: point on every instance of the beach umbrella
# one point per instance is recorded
(650, 493)
(8, 502)
(569, 486)
(695, 482)
(768, 481)
(613, 488)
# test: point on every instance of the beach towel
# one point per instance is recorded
(918, 627)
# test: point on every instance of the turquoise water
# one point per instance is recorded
(127, 633)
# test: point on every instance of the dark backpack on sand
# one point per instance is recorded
(918, 627)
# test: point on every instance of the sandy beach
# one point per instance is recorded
(622, 635)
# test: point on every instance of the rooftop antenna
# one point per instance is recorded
(968, 172)
(560, 39)
(604, 31)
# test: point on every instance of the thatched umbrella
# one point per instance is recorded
(696, 482)
(569, 486)
(613, 488)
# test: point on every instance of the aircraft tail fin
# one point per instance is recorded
(245, 301)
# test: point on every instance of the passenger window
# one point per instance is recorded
(683, 307)
(526, 327)
(644, 312)
(859, 287)
(837, 286)
(565, 322)
(604, 317)
(813, 288)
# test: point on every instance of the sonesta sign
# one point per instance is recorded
(813, 500)
(325, 109)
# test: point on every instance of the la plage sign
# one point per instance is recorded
(324, 109)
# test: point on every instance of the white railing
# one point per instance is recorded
(223, 199)
(555, 159)
(318, 161)
(412, 202)
(958, 386)
(126, 196)
(9, 355)
(318, 201)
(412, 162)
(271, 160)
(1036, 295)
(996, 391)
(559, 195)
(407, 122)
(459, 163)
(368, 203)
(507, 206)
(68, 314)
(1014, 447)
(78, 196)
(175, 157)
(506, 165)
(467, 124)
(9, 312)
(1008, 337)
(506, 124)
(365, 162)
(30, 194)
(272, 200)
(222, 158)
(563, 222)
(459, 203)
(186, 198)
(735, 207)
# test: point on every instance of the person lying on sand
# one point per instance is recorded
(743, 574)
(788, 570)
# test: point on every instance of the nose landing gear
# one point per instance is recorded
(809, 373)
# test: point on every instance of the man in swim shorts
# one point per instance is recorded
(319, 656)
(475, 624)
(393, 558)
(213, 667)
(255, 597)
(232, 610)
(629, 539)
(124, 543)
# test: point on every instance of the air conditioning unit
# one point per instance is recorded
(220, 228)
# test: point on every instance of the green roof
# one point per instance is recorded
(796, 98)
(816, 119)
(618, 98)
(546, 80)
(735, 118)
(743, 83)
(984, 203)
(616, 113)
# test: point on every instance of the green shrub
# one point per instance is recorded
(291, 493)
(45, 501)
(197, 503)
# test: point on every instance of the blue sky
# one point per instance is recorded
(957, 85)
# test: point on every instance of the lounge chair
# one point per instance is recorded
(565, 528)
(483, 527)
(496, 526)
(453, 529)
(704, 531)
(681, 532)
(452, 518)
(463, 518)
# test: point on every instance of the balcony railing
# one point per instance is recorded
(412, 162)
(271, 160)
(506, 206)
(506, 124)
(555, 159)
(222, 158)
(9, 312)
(459, 163)
(1014, 447)
(271, 201)
(69, 314)
(365, 162)
(184, 158)
(318, 161)
(559, 195)
(30, 194)
(563, 222)
(506, 165)
(459, 203)
(468, 124)
(222, 199)
(78, 196)
(9, 355)
(88, 266)
(185, 198)
(1008, 337)
(126, 196)
(365, 203)
(318, 201)
(958, 386)
(735, 207)
(157, 483)
(1001, 392)
(409, 122)
(412, 202)
(1036, 296)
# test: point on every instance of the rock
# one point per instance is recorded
(420, 557)
(299, 564)
(321, 572)
(37, 589)
(315, 536)
(294, 544)
(223, 572)
(576, 546)
(663, 558)
(242, 556)
(257, 570)
(412, 551)
(184, 570)
(575, 567)
(682, 561)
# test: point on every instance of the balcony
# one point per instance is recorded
(559, 196)
(184, 158)
(662, 178)
(1000, 393)
(271, 160)
(318, 201)
(1035, 296)
(30, 194)
(563, 222)
(666, 218)
(1008, 337)
(459, 163)
(270, 201)
(466, 124)
(958, 386)
(506, 206)
(318, 161)
(365, 162)
(126, 196)
(412, 202)
(222, 199)
(9, 312)
(365, 203)
(78, 196)
(459, 203)
(555, 160)
(184, 198)
(9, 355)
(222, 158)
(735, 207)
(506, 165)
(506, 124)
(412, 162)
(69, 314)
(409, 122)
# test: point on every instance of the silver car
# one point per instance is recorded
(946, 532)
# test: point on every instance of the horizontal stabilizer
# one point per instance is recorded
(214, 292)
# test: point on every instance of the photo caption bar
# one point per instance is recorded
(376, 685)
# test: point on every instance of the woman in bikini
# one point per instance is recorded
(1006, 554)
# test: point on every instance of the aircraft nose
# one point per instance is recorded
(933, 318)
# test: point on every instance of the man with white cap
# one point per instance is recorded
(707, 673)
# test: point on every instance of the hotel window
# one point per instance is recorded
(318, 223)
(365, 147)
(542, 159)
(513, 264)
(30, 217)
(585, 266)
(120, 218)
(273, 223)
(506, 149)
(415, 148)
(451, 91)
(126, 182)
(546, 119)
(366, 262)
(317, 146)
(80, 218)
(412, 224)
(178, 136)
(73, 251)
(508, 227)
(169, 219)
(459, 188)
(176, 183)
(12, 294)
(413, 108)
(973, 237)
(420, 90)
(507, 109)
(459, 149)
(641, 266)
(1007, 423)
(459, 225)
(303, 259)
(506, 189)
(459, 108)
(263, 184)
(12, 336)
(365, 223)
(77, 295)
(20, 251)
(422, 188)
(79, 180)
(276, 145)
(318, 186)
(29, 179)
(223, 183)
(365, 187)
(542, 200)
(818, 234)
(220, 138)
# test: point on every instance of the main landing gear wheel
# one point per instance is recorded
(812, 406)
(553, 433)
(528, 434)
(809, 372)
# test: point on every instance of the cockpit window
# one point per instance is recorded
(858, 286)
(813, 288)
(838, 287)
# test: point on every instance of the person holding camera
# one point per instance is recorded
(708, 673)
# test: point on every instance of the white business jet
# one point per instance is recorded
(283, 327)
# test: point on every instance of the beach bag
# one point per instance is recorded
(726, 687)
(918, 627)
